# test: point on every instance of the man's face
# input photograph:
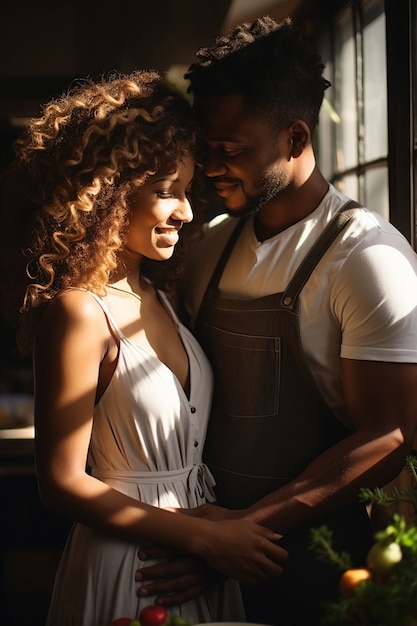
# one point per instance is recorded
(245, 160)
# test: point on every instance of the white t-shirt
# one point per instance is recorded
(359, 303)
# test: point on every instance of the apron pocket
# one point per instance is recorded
(233, 355)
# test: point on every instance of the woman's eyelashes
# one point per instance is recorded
(164, 193)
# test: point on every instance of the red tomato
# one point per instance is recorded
(153, 616)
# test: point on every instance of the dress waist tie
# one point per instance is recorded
(197, 477)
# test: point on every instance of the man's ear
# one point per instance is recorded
(300, 137)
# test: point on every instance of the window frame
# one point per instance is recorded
(401, 75)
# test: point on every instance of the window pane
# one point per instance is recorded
(349, 186)
(345, 88)
(375, 82)
(376, 191)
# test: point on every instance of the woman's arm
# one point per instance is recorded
(72, 345)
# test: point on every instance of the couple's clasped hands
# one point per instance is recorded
(226, 546)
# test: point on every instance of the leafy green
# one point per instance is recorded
(389, 600)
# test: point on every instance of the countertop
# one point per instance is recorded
(26, 432)
(17, 451)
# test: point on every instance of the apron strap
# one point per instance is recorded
(302, 274)
(305, 269)
(213, 283)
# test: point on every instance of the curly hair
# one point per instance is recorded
(270, 64)
(64, 199)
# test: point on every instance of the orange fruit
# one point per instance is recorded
(351, 578)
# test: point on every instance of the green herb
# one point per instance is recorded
(389, 599)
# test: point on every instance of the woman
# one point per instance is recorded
(122, 390)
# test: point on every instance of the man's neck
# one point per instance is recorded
(290, 206)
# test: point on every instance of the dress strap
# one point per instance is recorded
(107, 314)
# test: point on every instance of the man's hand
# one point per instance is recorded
(174, 581)
(238, 549)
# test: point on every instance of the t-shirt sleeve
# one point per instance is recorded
(376, 301)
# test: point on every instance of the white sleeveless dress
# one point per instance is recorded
(146, 442)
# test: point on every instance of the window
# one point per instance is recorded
(357, 102)
(366, 139)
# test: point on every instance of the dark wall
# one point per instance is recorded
(46, 44)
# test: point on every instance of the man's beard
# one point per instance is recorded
(272, 183)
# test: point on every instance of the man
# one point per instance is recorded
(307, 307)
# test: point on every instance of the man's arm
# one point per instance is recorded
(381, 399)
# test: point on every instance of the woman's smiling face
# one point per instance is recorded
(157, 212)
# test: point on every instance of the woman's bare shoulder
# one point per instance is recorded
(74, 308)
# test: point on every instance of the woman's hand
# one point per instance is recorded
(236, 547)
(212, 512)
(241, 549)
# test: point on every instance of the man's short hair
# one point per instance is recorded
(271, 64)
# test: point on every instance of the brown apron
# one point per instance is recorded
(269, 421)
